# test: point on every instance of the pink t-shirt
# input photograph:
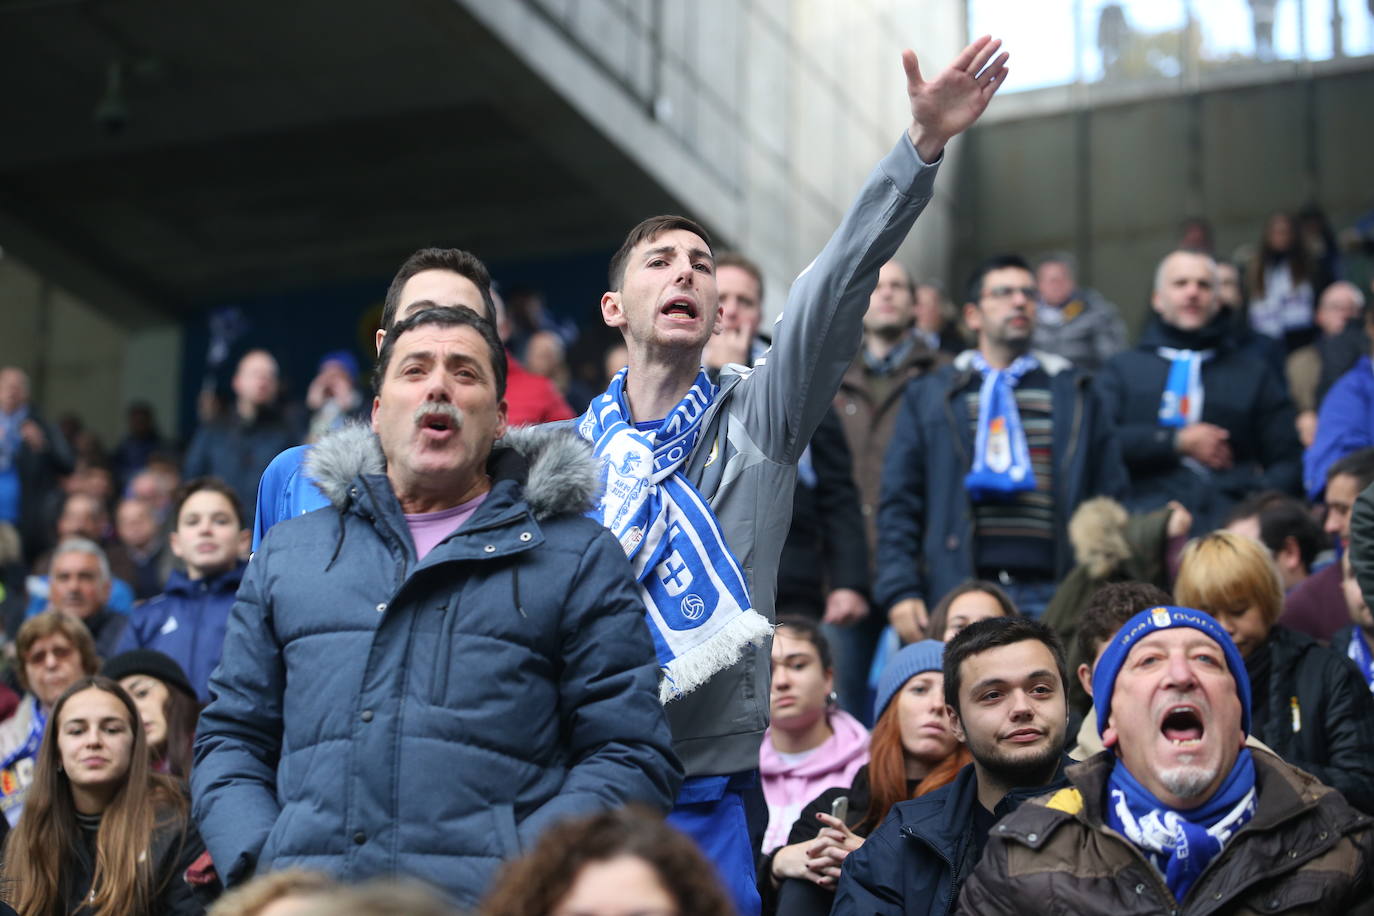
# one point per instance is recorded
(427, 529)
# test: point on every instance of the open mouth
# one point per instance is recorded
(1182, 725)
(437, 423)
(680, 308)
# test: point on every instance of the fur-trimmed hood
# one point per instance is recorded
(563, 474)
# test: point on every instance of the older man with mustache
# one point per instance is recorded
(419, 678)
(1177, 815)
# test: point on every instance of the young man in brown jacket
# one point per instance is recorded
(1177, 816)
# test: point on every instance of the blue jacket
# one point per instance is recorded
(285, 491)
(1345, 424)
(917, 860)
(1241, 394)
(187, 622)
(377, 715)
(925, 518)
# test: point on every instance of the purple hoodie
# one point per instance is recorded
(789, 787)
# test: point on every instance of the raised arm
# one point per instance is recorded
(821, 328)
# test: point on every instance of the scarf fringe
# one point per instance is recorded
(687, 672)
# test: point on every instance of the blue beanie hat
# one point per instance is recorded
(1164, 618)
(917, 658)
(344, 358)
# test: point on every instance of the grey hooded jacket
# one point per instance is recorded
(745, 460)
(378, 715)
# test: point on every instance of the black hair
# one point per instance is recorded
(996, 262)
(993, 633)
(646, 231)
(429, 313)
(810, 631)
(455, 260)
(1282, 517)
(1359, 465)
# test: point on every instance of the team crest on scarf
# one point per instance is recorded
(696, 598)
(1001, 457)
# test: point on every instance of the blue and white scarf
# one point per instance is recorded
(1001, 458)
(696, 598)
(1181, 843)
(1360, 654)
(1181, 402)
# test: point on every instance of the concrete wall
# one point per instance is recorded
(763, 116)
(1112, 182)
(80, 360)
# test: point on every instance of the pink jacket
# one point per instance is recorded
(789, 787)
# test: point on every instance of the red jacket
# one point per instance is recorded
(532, 398)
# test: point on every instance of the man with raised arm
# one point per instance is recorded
(699, 474)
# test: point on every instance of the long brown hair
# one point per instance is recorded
(180, 712)
(887, 783)
(533, 885)
(39, 849)
(1296, 256)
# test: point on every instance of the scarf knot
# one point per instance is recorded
(1180, 844)
(696, 599)
(1001, 457)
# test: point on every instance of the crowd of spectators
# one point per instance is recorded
(1055, 619)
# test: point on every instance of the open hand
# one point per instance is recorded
(945, 106)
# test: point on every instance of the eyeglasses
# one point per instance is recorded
(1006, 292)
(58, 653)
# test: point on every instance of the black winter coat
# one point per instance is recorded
(1241, 395)
(918, 858)
(175, 845)
(825, 547)
(1313, 709)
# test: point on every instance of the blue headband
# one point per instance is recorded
(1150, 621)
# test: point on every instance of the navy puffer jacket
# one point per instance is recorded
(373, 715)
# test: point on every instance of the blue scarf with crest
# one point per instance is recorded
(1181, 843)
(696, 598)
(1001, 458)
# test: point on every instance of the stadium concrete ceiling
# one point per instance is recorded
(158, 155)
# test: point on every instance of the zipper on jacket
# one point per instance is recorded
(955, 879)
(443, 649)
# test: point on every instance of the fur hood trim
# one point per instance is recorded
(563, 475)
(1097, 531)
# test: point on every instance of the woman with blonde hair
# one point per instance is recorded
(1309, 704)
(101, 835)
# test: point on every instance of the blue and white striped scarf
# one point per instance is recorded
(695, 596)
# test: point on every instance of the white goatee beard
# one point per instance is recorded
(1187, 781)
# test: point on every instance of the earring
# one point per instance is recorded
(833, 700)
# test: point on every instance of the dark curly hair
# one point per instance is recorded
(534, 884)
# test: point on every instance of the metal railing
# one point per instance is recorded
(1062, 42)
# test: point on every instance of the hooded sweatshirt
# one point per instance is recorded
(789, 786)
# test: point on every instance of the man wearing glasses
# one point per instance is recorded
(989, 459)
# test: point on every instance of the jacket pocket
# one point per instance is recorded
(507, 837)
(443, 651)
